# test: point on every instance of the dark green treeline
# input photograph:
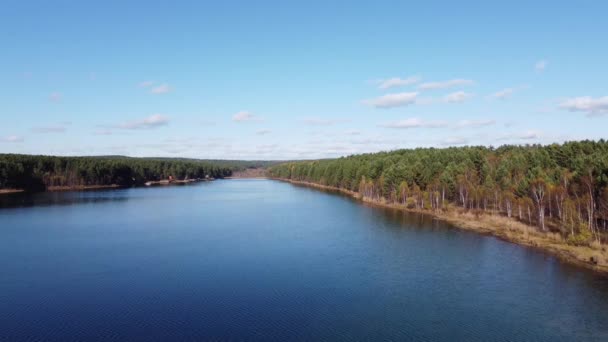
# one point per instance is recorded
(557, 187)
(36, 173)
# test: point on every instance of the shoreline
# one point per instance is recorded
(498, 226)
(244, 177)
(63, 188)
(10, 191)
(81, 187)
(166, 182)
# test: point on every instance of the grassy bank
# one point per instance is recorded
(592, 257)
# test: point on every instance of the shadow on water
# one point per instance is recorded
(43, 199)
(398, 220)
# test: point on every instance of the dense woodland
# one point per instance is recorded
(556, 187)
(36, 173)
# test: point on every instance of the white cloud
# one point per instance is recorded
(475, 123)
(263, 131)
(244, 116)
(415, 123)
(530, 135)
(312, 121)
(507, 92)
(445, 84)
(161, 89)
(56, 96)
(146, 84)
(541, 65)
(457, 97)
(49, 129)
(103, 132)
(12, 139)
(392, 100)
(153, 121)
(353, 132)
(397, 82)
(455, 141)
(503, 94)
(591, 106)
(527, 135)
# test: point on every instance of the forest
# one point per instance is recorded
(560, 187)
(36, 173)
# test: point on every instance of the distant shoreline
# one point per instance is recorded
(499, 226)
(63, 188)
(81, 187)
(10, 191)
(243, 177)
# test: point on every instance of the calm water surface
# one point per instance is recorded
(264, 260)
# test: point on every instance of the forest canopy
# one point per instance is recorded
(566, 183)
(37, 172)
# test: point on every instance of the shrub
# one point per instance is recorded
(580, 239)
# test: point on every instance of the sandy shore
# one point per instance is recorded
(502, 227)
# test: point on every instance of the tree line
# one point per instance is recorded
(558, 187)
(36, 173)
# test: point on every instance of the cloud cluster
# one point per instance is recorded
(55, 96)
(419, 123)
(392, 100)
(528, 135)
(161, 89)
(475, 123)
(12, 139)
(153, 121)
(313, 121)
(263, 131)
(454, 141)
(415, 123)
(397, 82)
(103, 132)
(541, 65)
(457, 97)
(244, 116)
(155, 88)
(591, 106)
(503, 94)
(49, 129)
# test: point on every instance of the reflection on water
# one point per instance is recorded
(61, 198)
(265, 260)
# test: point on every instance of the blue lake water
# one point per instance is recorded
(266, 260)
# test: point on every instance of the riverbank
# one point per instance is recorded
(10, 191)
(257, 172)
(177, 182)
(82, 187)
(109, 186)
(502, 227)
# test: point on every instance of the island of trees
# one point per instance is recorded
(562, 189)
(38, 173)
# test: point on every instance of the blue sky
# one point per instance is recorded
(286, 80)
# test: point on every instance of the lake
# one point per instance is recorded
(267, 260)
